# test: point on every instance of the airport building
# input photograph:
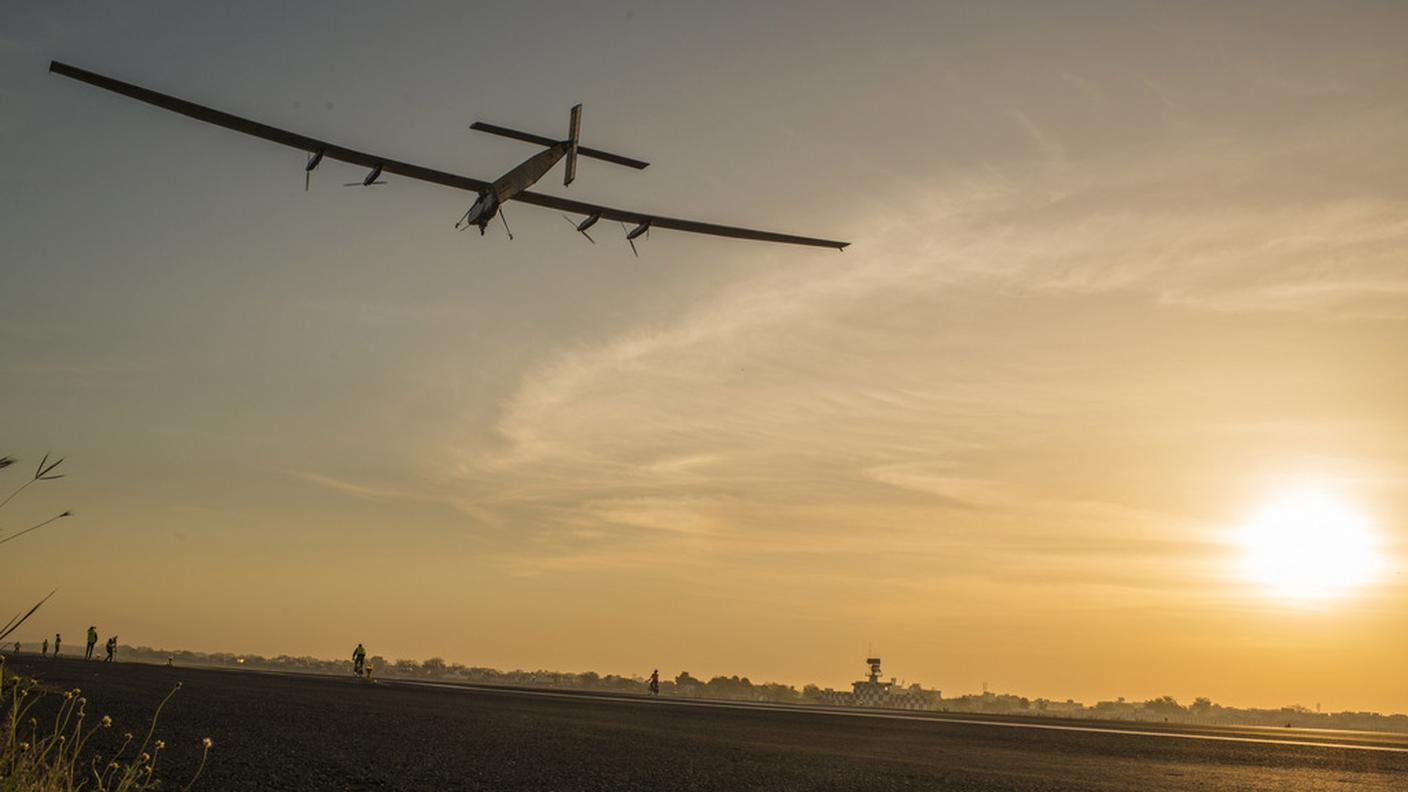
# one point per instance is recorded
(875, 692)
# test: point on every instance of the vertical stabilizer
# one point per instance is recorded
(574, 129)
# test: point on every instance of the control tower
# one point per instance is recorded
(874, 663)
(871, 692)
(875, 692)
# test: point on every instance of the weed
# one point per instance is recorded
(59, 759)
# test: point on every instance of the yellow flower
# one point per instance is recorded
(107, 721)
(160, 744)
(207, 743)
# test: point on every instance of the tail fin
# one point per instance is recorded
(574, 130)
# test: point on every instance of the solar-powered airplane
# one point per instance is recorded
(491, 195)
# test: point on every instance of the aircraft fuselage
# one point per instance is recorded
(504, 188)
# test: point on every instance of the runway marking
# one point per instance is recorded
(937, 718)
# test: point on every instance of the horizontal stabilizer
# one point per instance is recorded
(539, 140)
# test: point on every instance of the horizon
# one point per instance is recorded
(1106, 397)
(672, 675)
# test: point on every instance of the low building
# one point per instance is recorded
(880, 694)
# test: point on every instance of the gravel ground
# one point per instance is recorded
(281, 732)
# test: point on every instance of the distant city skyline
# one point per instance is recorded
(1106, 397)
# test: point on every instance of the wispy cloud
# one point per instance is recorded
(372, 492)
(810, 405)
(1049, 146)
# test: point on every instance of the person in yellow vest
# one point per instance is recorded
(92, 642)
(359, 660)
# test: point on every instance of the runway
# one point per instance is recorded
(288, 731)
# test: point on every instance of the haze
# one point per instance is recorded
(1122, 275)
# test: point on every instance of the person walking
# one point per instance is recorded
(92, 642)
(359, 660)
(58, 639)
(44, 650)
(17, 648)
(655, 682)
(111, 646)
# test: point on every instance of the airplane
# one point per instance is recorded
(491, 196)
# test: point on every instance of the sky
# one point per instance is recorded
(1123, 277)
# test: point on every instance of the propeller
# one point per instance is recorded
(631, 235)
(630, 241)
(578, 229)
(314, 159)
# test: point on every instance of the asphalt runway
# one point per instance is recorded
(291, 732)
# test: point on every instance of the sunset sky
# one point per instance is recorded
(1124, 278)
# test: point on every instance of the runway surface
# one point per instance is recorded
(285, 732)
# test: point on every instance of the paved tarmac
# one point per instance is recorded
(287, 732)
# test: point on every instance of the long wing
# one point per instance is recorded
(310, 145)
(656, 221)
(335, 152)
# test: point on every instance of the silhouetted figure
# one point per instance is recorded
(92, 642)
(359, 660)
(44, 650)
(111, 646)
(655, 682)
(58, 639)
(17, 648)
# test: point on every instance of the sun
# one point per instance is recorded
(1307, 545)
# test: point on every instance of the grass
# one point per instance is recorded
(62, 755)
(44, 472)
(68, 753)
